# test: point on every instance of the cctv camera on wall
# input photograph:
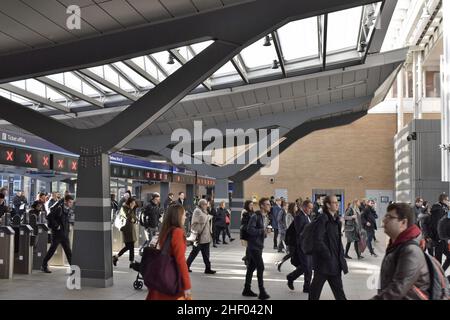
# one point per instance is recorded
(272, 180)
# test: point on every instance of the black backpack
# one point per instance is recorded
(307, 236)
(291, 235)
(244, 223)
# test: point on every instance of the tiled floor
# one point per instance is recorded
(360, 283)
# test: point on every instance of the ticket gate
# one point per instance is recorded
(6, 252)
(41, 241)
(23, 246)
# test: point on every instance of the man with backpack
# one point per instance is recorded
(322, 238)
(407, 273)
(150, 217)
(301, 220)
(438, 211)
(58, 222)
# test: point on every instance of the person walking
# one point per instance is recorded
(245, 218)
(129, 236)
(220, 222)
(257, 232)
(352, 228)
(328, 252)
(282, 227)
(303, 266)
(173, 224)
(201, 226)
(369, 223)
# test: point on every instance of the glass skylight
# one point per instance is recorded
(299, 39)
(343, 29)
(257, 55)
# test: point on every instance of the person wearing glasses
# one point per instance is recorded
(328, 253)
(257, 232)
(404, 273)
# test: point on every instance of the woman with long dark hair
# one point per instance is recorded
(173, 223)
(245, 217)
(129, 236)
(291, 212)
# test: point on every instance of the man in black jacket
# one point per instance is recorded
(304, 267)
(439, 210)
(169, 201)
(257, 232)
(58, 222)
(19, 203)
(369, 223)
(220, 223)
(328, 252)
(3, 206)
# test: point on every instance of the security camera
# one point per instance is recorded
(360, 177)
(272, 180)
(411, 136)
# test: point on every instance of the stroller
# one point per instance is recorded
(138, 284)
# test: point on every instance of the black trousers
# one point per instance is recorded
(58, 239)
(370, 237)
(305, 268)
(255, 262)
(223, 231)
(335, 283)
(347, 248)
(129, 246)
(441, 249)
(275, 238)
(204, 248)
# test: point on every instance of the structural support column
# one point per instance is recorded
(190, 196)
(92, 247)
(237, 204)
(400, 81)
(164, 189)
(221, 192)
(417, 84)
(445, 93)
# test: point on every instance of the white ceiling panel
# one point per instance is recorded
(125, 14)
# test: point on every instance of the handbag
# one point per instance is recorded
(120, 220)
(362, 243)
(160, 270)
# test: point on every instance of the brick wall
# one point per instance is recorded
(334, 159)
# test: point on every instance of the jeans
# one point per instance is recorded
(275, 238)
(370, 235)
(335, 283)
(218, 231)
(129, 246)
(204, 248)
(255, 262)
(58, 239)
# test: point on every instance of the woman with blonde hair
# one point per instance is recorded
(352, 228)
(173, 223)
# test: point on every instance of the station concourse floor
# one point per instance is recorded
(227, 284)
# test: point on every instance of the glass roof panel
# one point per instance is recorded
(162, 58)
(343, 29)
(72, 81)
(226, 69)
(299, 39)
(257, 55)
(142, 82)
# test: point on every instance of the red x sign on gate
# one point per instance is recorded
(9, 155)
(60, 164)
(74, 165)
(28, 158)
(45, 161)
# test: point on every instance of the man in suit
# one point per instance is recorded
(304, 266)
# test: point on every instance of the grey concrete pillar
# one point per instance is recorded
(92, 245)
(164, 191)
(190, 196)
(237, 204)
(221, 192)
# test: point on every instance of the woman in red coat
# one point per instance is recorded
(174, 222)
